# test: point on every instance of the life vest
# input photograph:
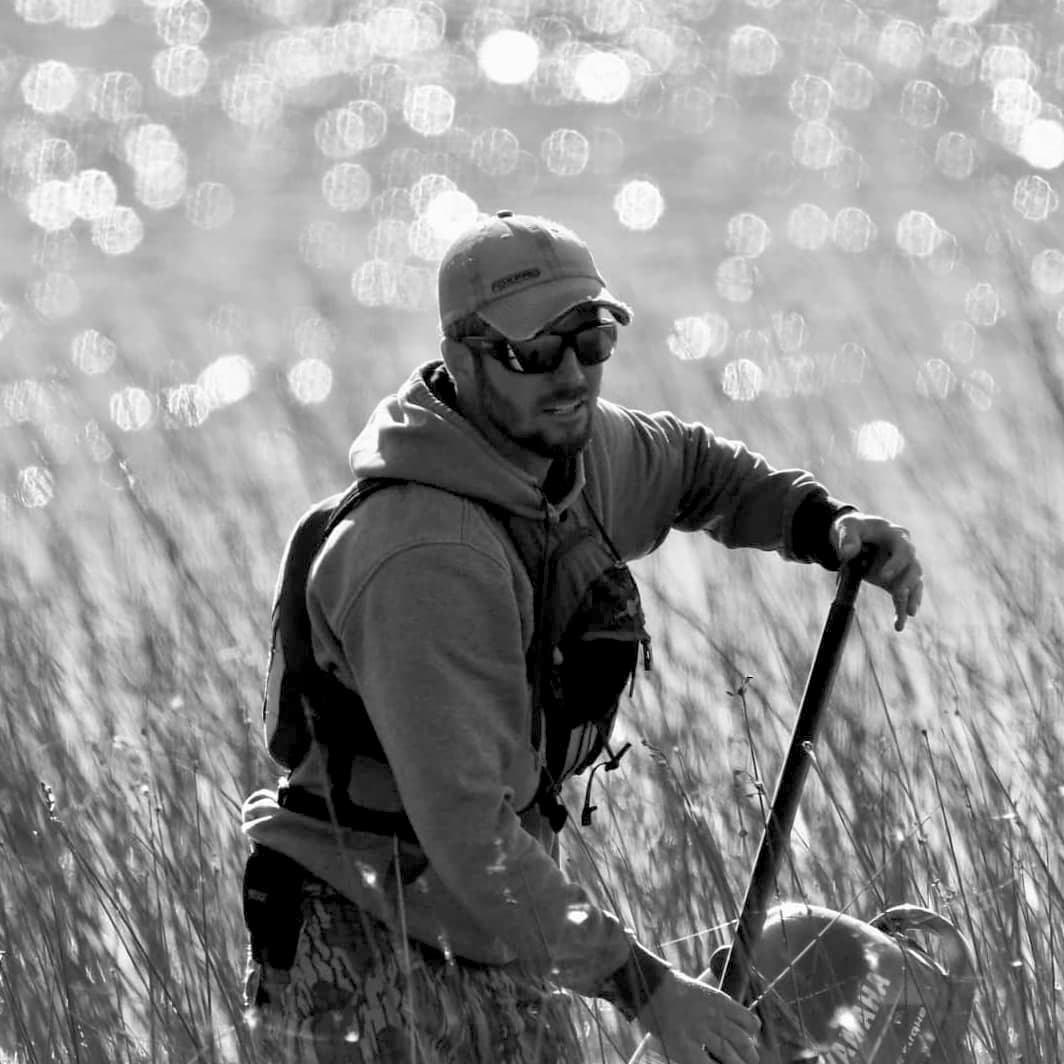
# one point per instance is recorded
(588, 636)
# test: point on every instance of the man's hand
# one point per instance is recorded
(696, 1023)
(895, 567)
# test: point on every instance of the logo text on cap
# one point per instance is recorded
(515, 278)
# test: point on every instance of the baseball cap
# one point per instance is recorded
(520, 273)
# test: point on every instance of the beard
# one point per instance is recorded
(553, 441)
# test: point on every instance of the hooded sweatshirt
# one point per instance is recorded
(420, 603)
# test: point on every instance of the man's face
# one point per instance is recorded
(535, 418)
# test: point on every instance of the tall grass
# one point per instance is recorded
(134, 611)
(133, 638)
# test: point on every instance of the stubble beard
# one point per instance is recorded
(504, 415)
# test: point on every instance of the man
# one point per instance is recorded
(478, 625)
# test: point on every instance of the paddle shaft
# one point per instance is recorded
(735, 980)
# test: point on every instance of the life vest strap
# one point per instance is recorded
(346, 813)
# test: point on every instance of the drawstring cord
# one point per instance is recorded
(609, 765)
(547, 797)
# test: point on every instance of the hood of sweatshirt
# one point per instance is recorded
(418, 435)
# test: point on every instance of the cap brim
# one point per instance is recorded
(526, 313)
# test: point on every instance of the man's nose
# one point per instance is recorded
(570, 369)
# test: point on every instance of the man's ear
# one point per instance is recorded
(459, 362)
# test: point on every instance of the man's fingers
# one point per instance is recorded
(916, 598)
(733, 1039)
(727, 1052)
(906, 589)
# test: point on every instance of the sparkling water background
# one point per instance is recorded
(205, 205)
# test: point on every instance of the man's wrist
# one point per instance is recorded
(631, 986)
(811, 532)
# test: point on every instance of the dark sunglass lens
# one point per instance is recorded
(542, 355)
(595, 344)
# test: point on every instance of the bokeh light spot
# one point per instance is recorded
(92, 352)
(566, 152)
(210, 205)
(181, 70)
(607, 17)
(699, 336)
(960, 340)
(429, 109)
(922, 103)
(38, 12)
(252, 98)
(389, 240)
(639, 205)
(376, 283)
(310, 381)
(445, 216)
(346, 186)
(601, 77)
(1047, 271)
(955, 155)
(813, 145)
(51, 159)
(131, 409)
(427, 187)
(789, 328)
(853, 230)
(982, 304)
(809, 97)
(808, 226)
(1006, 62)
(1015, 102)
(116, 95)
(878, 441)
(159, 190)
(1034, 198)
(118, 232)
(736, 279)
(25, 401)
(93, 440)
(901, 45)
(917, 234)
(227, 380)
(748, 235)
(185, 22)
(51, 205)
(1042, 143)
(853, 85)
(966, 10)
(980, 389)
(742, 380)
(935, 379)
(508, 57)
(496, 151)
(340, 132)
(95, 194)
(393, 31)
(36, 487)
(753, 51)
(49, 87)
(186, 405)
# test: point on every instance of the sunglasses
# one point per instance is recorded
(544, 353)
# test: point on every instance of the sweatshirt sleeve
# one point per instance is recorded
(663, 473)
(434, 641)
